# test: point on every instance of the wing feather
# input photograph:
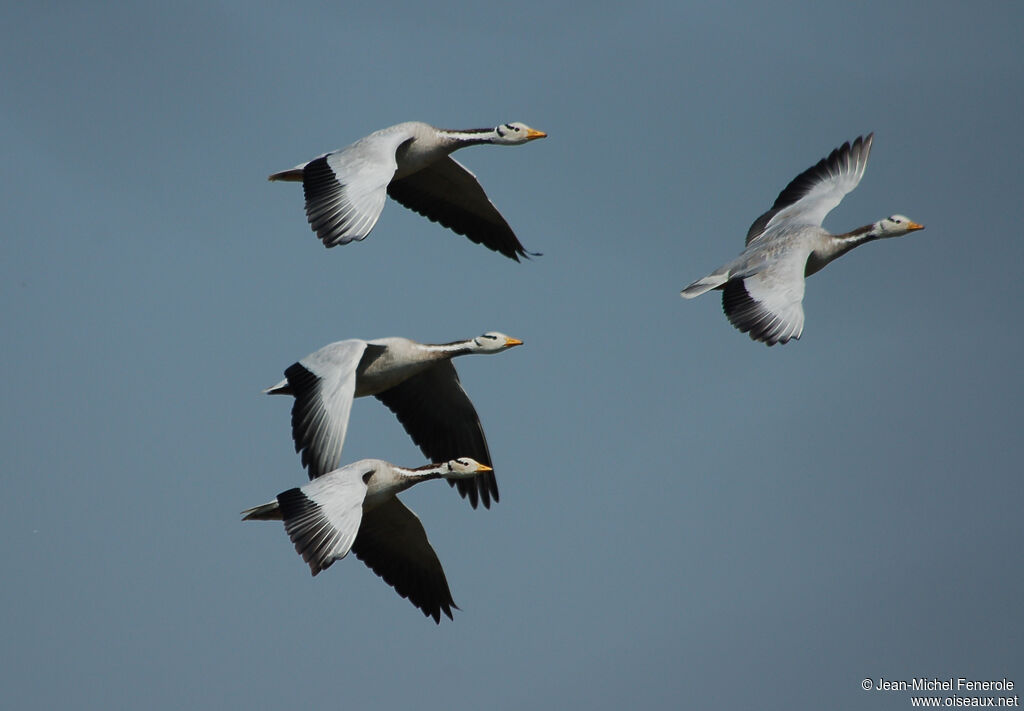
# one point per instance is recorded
(323, 384)
(393, 543)
(323, 517)
(345, 190)
(768, 304)
(814, 193)
(439, 416)
(448, 193)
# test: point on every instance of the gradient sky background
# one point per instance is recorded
(687, 518)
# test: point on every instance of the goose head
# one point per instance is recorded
(463, 467)
(493, 342)
(895, 226)
(512, 134)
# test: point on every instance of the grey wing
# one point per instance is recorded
(323, 517)
(323, 384)
(814, 193)
(767, 302)
(447, 193)
(392, 542)
(439, 416)
(346, 190)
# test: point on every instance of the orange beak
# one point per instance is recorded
(512, 342)
(534, 133)
(914, 226)
(484, 468)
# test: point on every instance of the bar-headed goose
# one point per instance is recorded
(763, 288)
(345, 189)
(416, 381)
(356, 508)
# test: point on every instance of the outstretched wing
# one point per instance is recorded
(439, 416)
(346, 189)
(446, 192)
(323, 384)
(818, 190)
(322, 518)
(393, 544)
(766, 301)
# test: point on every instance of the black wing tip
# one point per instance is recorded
(513, 252)
(517, 252)
(294, 504)
(856, 144)
(497, 237)
(319, 182)
(746, 315)
(446, 608)
(799, 185)
(433, 608)
(445, 605)
(303, 382)
(299, 376)
(468, 490)
(772, 341)
(323, 193)
(481, 488)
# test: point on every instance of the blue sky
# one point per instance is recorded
(687, 518)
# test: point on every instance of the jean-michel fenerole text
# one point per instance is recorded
(950, 684)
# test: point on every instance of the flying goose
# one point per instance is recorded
(416, 381)
(356, 508)
(410, 161)
(762, 289)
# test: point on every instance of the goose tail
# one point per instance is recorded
(715, 280)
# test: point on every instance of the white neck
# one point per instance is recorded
(425, 473)
(468, 137)
(390, 479)
(450, 350)
(838, 245)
